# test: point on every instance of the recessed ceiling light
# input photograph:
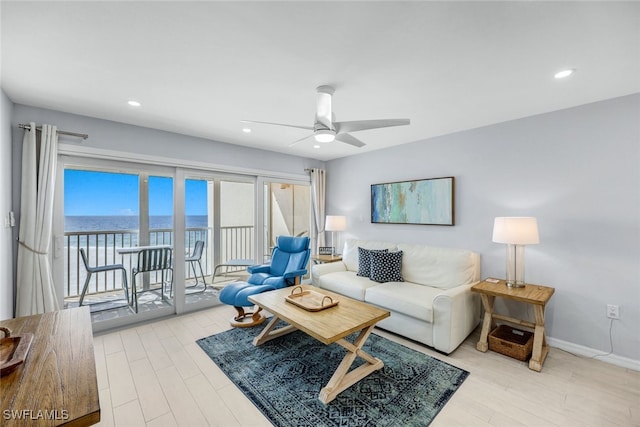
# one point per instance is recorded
(134, 103)
(246, 130)
(564, 73)
(316, 146)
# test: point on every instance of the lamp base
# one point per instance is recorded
(515, 285)
(515, 266)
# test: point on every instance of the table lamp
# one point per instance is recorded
(515, 232)
(335, 223)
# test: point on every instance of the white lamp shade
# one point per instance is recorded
(335, 223)
(516, 230)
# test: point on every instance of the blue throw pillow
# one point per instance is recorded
(386, 267)
(364, 261)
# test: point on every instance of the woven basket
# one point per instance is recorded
(511, 342)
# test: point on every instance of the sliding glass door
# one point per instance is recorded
(219, 235)
(209, 222)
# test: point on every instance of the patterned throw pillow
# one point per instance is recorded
(364, 260)
(386, 267)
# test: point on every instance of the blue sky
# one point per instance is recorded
(90, 193)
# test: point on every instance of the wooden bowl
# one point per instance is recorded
(13, 351)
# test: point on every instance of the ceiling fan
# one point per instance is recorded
(326, 130)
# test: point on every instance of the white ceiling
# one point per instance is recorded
(199, 68)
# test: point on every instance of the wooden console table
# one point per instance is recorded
(536, 295)
(57, 383)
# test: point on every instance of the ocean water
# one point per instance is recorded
(127, 222)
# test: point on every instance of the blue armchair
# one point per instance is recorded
(288, 263)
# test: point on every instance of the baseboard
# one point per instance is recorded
(580, 350)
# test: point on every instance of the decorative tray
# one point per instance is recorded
(13, 350)
(310, 300)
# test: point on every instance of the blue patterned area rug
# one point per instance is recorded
(283, 378)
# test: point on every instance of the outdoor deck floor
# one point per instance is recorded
(112, 305)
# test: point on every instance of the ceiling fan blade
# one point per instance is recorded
(359, 125)
(300, 140)
(277, 124)
(323, 106)
(345, 137)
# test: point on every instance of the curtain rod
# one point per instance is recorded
(62, 132)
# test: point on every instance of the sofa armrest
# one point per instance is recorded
(456, 313)
(329, 267)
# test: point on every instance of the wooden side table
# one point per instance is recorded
(536, 295)
(323, 259)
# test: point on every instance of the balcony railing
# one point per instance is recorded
(101, 249)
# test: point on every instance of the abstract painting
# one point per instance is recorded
(424, 201)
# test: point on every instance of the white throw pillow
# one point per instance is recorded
(439, 267)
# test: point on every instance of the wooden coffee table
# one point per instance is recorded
(327, 326)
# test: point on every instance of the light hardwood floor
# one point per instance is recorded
(156, 375)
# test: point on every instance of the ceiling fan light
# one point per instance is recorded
(325, 135)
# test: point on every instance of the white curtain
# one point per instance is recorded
(318, 201)
(35, 289)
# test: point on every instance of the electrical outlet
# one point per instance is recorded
(613, 311)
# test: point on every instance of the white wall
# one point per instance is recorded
(576, 170)
(6, 246)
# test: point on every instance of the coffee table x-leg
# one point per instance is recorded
(342, 378)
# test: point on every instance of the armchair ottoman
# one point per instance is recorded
(288, 263)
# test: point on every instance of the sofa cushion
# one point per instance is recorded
(386, 266)
(364, 261)
(350, 252)
(443, 268)
(346, 283)
(407, 298)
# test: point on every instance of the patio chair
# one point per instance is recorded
(100, 269)
(288, 264)
(194, 259)
(152, 259)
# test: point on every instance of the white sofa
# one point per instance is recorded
(433, 305)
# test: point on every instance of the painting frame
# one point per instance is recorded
(428, 201)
